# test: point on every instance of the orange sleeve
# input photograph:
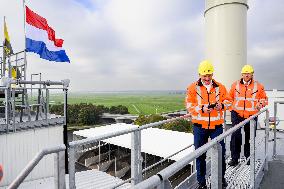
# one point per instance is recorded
(225, 98)
(192, 105)
(232, 91)
(262, 95)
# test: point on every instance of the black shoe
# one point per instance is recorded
(202, 186)
(233, 162)
(248, 163)
(224, 184)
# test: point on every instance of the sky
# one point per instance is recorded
(118, 45)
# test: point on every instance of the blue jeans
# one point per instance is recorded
(200, 138)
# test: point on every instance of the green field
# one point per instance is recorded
(138, 103)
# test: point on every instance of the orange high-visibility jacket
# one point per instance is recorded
(246, 97)
(197, 96)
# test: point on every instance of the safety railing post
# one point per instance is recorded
(59, 170)
(47, 104)
(27, 105)
(252, 153)
(266, 140)
(13, 109)
(7, 109)
(274, 131)
(136, 164)
(165, 184)
(193, 166)
(72, 184)
(216, 166)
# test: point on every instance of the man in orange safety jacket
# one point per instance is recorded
(206, 101)
(248, 98)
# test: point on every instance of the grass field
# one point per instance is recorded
(137, 103)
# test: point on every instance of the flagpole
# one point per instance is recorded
(25, 54)
(4, 54)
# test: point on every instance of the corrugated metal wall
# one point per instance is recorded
(17, 149)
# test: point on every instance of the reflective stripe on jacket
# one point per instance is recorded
(246, 97)
(197, 96)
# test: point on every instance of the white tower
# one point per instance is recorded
(226, 38)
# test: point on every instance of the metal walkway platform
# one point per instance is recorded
(274, 177)
(93, 179)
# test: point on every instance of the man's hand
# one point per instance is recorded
(259, 106)
(206, 109)
(218, 106)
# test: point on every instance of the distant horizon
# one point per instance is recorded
(141, 91)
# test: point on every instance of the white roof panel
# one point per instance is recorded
(159, 142)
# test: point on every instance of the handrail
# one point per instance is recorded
(74, 144)
(274, 129)
(151, 166)
(30, 166)
(159, 162)
(42, 104)
(135, 143)
(155, 180)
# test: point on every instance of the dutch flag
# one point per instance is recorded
(40, 38)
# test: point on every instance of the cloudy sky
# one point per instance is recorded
(119, 45)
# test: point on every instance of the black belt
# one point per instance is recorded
(199, 125)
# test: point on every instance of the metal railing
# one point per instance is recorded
(274, 128)
(161, 179)
(14, 104)
(153, 165)
(136, 162)
(59, 164)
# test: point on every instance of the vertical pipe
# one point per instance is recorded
(194, 166)
(252, 153)
(145, 160)
(136, 164)
(7, 112)
(47, 103)
(216, 166)
(99, 152)
(32, 88)
(59, 170)
(108, 151)
(4, 56)
(65, 134)
(266, 139)
(39, 107)
(9, 68)
(13, 109)
(274, 130)
(25, 53)
(114, 166)
(23, 104)
(72, 183)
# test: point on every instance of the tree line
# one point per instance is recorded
(86, 114)
(181, 125)
(90, 114)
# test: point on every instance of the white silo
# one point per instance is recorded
(226, 38)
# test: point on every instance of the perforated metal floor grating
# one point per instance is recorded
(239, 177)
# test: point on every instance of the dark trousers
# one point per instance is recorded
(236, 138)
(200, 138)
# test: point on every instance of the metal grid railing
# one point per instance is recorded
(136, 162)
(161, 179)
(16, 104)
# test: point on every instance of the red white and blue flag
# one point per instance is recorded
(40, 38)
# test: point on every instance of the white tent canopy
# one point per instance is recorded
(159, 142)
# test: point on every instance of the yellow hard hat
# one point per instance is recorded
(205, 67)
(247, 69)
